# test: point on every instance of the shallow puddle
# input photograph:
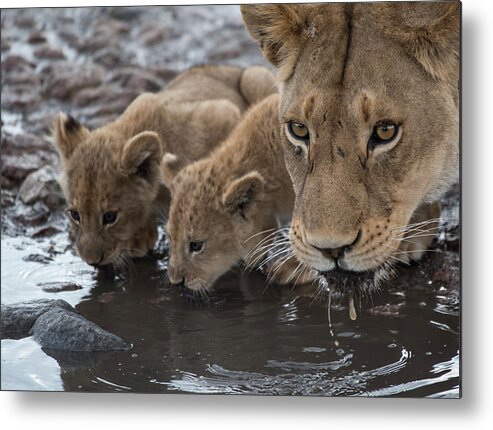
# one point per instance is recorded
(245, 339)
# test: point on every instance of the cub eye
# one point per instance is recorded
(384, 132)
(109, 217)
(74, 215)
(299, 131)
(196, 246)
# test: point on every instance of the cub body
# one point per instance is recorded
(224, 205)
(111, 176)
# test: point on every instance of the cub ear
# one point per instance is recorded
(170, 166)
(277, 27)
(242, 194)
(142, 154)
(68, 133)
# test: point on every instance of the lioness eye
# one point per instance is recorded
(74, 215)
(109, 217)
(196, 246)
(299, 131)
(384, 132)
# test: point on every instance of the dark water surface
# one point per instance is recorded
(246, 339)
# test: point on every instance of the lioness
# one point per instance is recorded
(111, 176)
(370, 124)
(224, 205)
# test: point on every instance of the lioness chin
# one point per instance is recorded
(370, 124)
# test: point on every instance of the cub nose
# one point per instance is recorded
(175, 277)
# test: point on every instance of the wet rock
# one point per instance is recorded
(24, 77)
(114, 26)
(138, 80)
(46, 52)
(63, 80)
(8, 197)
(42, 185)
(23, 21)
(111, 57)
(98, 121)
(94, 44)
(15, 63)
(58, 287)
(18, 318)
(37, 258)
(36, 37)
(152, 34)
(25, 142)
(32, 215)
(20, 98)
(17, 167)
(65, 330)
(164, 73)
(104, 95)
(48, 230)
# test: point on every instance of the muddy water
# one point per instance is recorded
(247, 338)
(244, 339)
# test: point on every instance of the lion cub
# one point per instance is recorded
(111, 176)
(224, 205)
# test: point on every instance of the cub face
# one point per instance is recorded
(209, 221)
(110, 185)
(369, 115)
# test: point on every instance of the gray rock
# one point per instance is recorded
(18, 318)
(42, 185)
(58, 287)
(64, 330)
(63, 79)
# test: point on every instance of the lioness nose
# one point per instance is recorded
(328, 249)
(334, 253)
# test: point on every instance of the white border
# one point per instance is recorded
(475, 411)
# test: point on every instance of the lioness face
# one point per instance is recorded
(208, 222)
(110, 185)
(369, 132)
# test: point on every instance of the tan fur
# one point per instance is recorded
(230, 200)
(116, 167)
(341, 69)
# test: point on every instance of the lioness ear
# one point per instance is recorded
(170, 166)
(277, 27)
(436, 47)
(142, 154)
(429, 30)
(242, 194)
(68, 133)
